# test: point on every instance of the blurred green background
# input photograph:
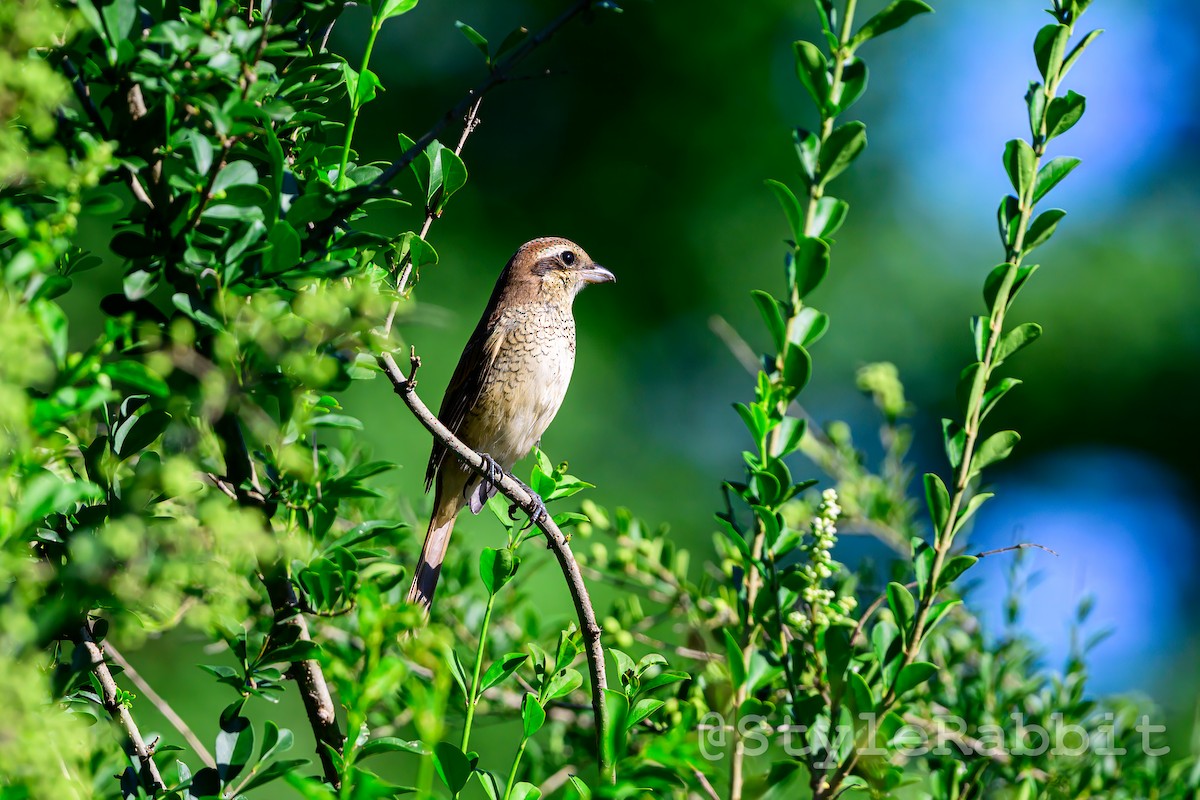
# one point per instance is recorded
(648, 144)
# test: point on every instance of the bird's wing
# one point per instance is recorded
(466, 383)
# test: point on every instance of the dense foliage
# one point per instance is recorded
(189, 464)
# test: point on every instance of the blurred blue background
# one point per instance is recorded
(648, 144)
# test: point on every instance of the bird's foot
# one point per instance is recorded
(539, 513)
(493, 472)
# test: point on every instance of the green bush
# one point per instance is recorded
(190, 465)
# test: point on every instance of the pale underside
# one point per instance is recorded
(532, 355)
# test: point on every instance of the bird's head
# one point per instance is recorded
(553, 269)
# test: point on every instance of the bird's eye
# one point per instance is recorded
(567, 257)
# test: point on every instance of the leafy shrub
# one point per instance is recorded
(191, 465)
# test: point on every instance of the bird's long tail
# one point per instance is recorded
(433, 552)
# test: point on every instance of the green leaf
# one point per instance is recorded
(582, 788)
(995, 279)
(514, 38)
(114, 20)
(993, 395)
(392, 744)
(792, 431)
(968, 511)
(453, 766)
(1048, 48)
(912, 676)
(500, 670)
(235, 173)
(1042, 228)
(772, 312)
(339, 421)
(394, 8)
(138, 376)
(1035, 100)
(197, 310)
(533, 716)
(474, 37)
(48, 494)
(365, 88)
(969, 388)
(955, 567)
(939, 611)
(419, 251)
(791, 207)
(797, 368)
(497, 567)
(459, 673)
(808, 149)
(979, 335)
(938, 500)
(275, 740)
(563, 684)
(641, 710)
(1021, 336)
(1051, 174)
(861, 699)
(1076, 52)
(735, 659)
(829, 215)
(524, 790)
(900, 601)
(613, 744)
(854, 83)
(492, 786)
(1008, 217)
(1063, 113)
(811, 264)
(272, 772)
(809, 326)
(955, 440)
(922, 559)
(813, 71)
(285, 248)
(838, 652)
(447, 174)
(995, 448)
(136, 433)
(235, 745)
(1019, 163)
(897, 13)
(841, 148)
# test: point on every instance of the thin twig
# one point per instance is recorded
(119, 712)
(470, 123)
(704, 784)
(1011, 547)
(162, 705)
(511, 488)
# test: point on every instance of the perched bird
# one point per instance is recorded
(508, 385)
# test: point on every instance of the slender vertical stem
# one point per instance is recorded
(355, 106)
(474, 696)
(512, 773)
(754, 578)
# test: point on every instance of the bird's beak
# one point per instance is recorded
(596, 274)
